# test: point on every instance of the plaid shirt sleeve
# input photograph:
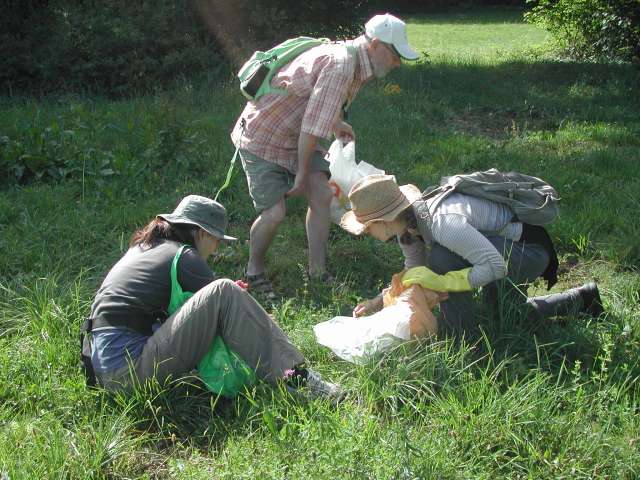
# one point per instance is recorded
(327, 96)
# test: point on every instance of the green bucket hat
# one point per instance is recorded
(202, 212)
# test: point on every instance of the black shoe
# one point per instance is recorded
(591, 301)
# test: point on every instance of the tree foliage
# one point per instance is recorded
(418, 6)
(119, 47)
(279, 19)
(592, 29)
(110, 46)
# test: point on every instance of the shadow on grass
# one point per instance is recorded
(560, 345)
(184, 411)
(469, 16)
(419, 373)
(573, 124)
(488, 99)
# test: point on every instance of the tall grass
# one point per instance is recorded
(554, 399)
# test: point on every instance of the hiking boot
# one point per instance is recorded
(309, 384)
(591, 301)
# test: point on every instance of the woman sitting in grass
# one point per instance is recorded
(460, 244)
(133, 335)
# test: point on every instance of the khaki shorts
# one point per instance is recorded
(269, 182)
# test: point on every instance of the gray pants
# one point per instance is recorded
(525, 263)
(221, 308)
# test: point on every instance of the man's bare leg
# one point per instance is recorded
(318, 222)
(261, 235)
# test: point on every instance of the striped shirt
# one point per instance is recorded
(319, 82)
(461, 223)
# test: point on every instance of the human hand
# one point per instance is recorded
(322, 150)
(343, 131)
(300, 185)
(242, 284)
(368, 307)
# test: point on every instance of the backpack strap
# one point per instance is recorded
(243, 124)
(178, 295)
(353, 51)
(435, 194)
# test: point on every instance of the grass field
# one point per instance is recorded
(559, 399)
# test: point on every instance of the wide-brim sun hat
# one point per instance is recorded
(393, 31)
(202, 212)
(374, 198)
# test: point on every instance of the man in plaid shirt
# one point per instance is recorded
(277, 135)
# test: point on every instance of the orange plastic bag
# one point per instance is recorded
(421, 302)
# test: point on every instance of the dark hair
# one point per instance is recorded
(159, 229)
(408, 216)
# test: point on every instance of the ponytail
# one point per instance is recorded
(159, 229)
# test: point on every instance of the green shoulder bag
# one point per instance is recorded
(221, 369)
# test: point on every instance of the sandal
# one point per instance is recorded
(260, 285)
(324, 278)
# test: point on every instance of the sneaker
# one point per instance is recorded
(318, 388)
(591, 301)
(310, 384)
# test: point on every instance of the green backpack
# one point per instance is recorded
(532, 199)
(256, 74)
(221, 369)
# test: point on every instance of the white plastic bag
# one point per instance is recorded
(407, 312)
(357, 340)
(344, 173)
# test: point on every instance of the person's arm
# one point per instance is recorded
(322, 115)
(369, 307)
(307, 145)
(193, 271)
(454, 232)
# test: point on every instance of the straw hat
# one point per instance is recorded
(377, 197)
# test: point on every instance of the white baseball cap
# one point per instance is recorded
(391, 30)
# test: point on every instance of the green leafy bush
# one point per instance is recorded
(50, 154)
(592, 29)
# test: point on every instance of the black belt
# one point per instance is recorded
(140, 326)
